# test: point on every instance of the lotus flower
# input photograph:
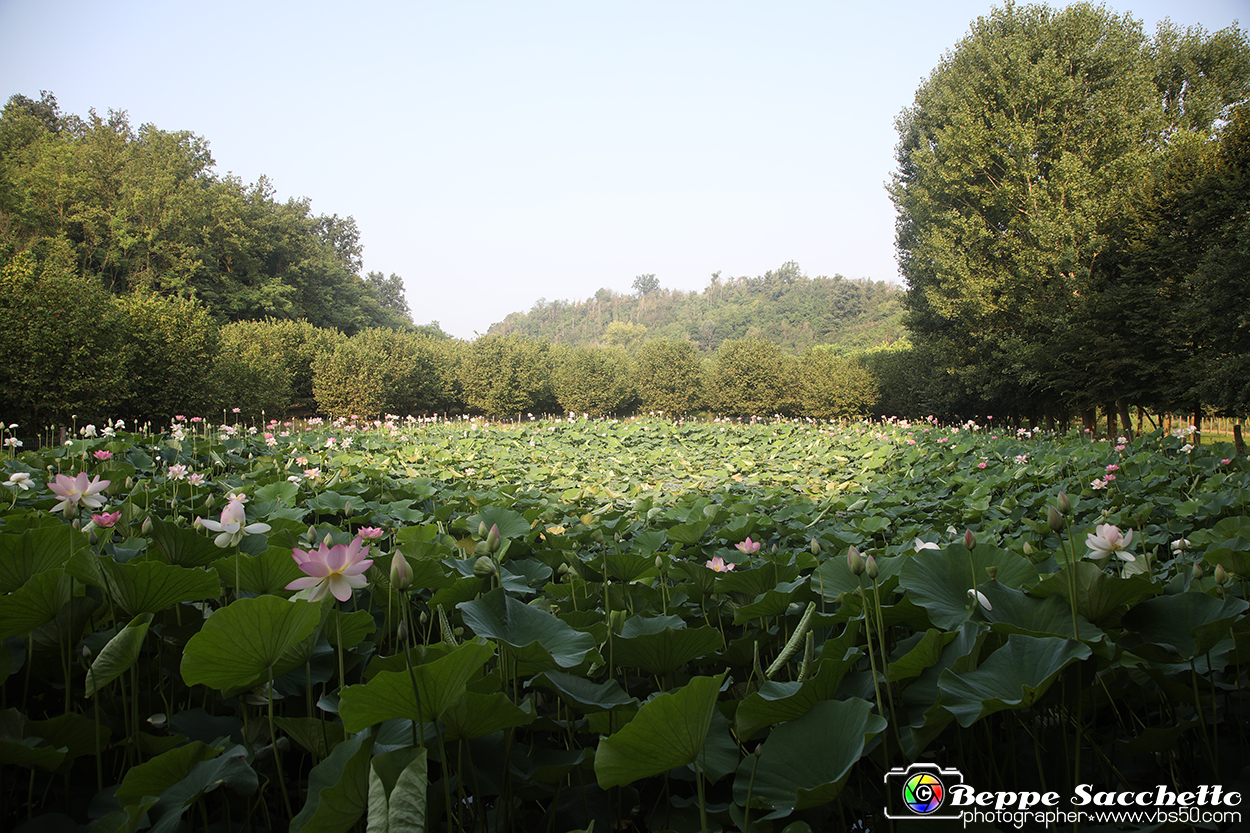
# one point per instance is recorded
(718, 564)
(371, 533)
(106, 520)
(18, 480)
(926, 545)
(231, 527)
(103, 455)
(75, 490)
(1108, 540)
(749, 547)
(336, 570)
(980, 599)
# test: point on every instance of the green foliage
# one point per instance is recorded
(170, 349)
(833, 387)
(668, 376)
(593, 380)
(62, 346)
(1024, 167)
(507, 375)
(782, 305)
(379, 371)
(748, 378)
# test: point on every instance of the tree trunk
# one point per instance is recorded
(1111, 421)
(1239, 445)
(1089, 422)
(1197, 423)
(1126, 418)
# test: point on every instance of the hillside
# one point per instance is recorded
(783, 306)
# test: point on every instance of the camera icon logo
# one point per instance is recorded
(920, 791)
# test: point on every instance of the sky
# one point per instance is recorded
(497, 153)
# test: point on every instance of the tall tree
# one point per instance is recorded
(1022, 154)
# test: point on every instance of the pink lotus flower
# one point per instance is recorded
(177, 472)
(231, 526)
(335, 570)
(102, 455)
(106, 520)
(718, 564)
(1108, 540)
(370, 533)
(75, 490)
(748, 547)
(981, 465)
(1113, 467)
(1224, 461)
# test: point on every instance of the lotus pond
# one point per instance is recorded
(575, 625)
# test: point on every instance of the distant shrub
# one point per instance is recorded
(62, 346)
(171, 345)
(507, 375)
(669, 377)
(593, 380)
(748, 378)
(834, 387)
(379, 371)
(250, 372)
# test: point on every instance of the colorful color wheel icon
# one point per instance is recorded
(923, 793)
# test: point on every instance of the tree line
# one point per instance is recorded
(782, 305)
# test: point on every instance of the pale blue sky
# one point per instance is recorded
(496, 153)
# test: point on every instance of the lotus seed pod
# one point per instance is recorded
(493, 539)
(484, 566)
(1054, 519)
(993, 571)
(970, 540)
(870, 567)
(1065, 506)
(1221, 575)
(855, 562)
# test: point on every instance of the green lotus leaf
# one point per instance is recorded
(183, 546)
(1181, 627)
(477, 715)
(338, 789)
(534, 636)
(35, 603)
(1013, 611)
(940, 580)
(665, 650)
(440, 685)
(805, 763)
(151, 586)
(267, 573)
(583, 694)
(398, 783)
(118, 655)
(32, 552)
(512, 525)
(242, 644)
(1098, 593)
(1013, 677)
(778, 702)
(669, 731)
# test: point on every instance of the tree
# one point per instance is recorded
(833, 387)
(646, 284)
(593, 380)
(669, 377)
(390, 293)
(748, 378)
(505, 376)
(1018, 161)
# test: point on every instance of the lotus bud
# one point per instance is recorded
(208, 504)
(130, 482)
(870, 567)
(993, 571)
(311, 534)
(481, 530)
(328, 540)
(1054, 519)
(759, 750)
(493, 539)
(1064, 505)
(484, 566)
(92, 538)
(616, 619)
(855, 562)
(659, 563)
(970, 540)
(401, 571)
(196, 525)
(1221, 575)
(402, 631)
(146, 526)
(423, 618)
(1198, 571)
(76, 524)
(1028, 549)
(815, 545)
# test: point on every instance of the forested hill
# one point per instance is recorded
(782, 306)
(143, 211)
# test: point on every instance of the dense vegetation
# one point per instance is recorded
(1074, 215)
(635, 625)
(783, 306)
